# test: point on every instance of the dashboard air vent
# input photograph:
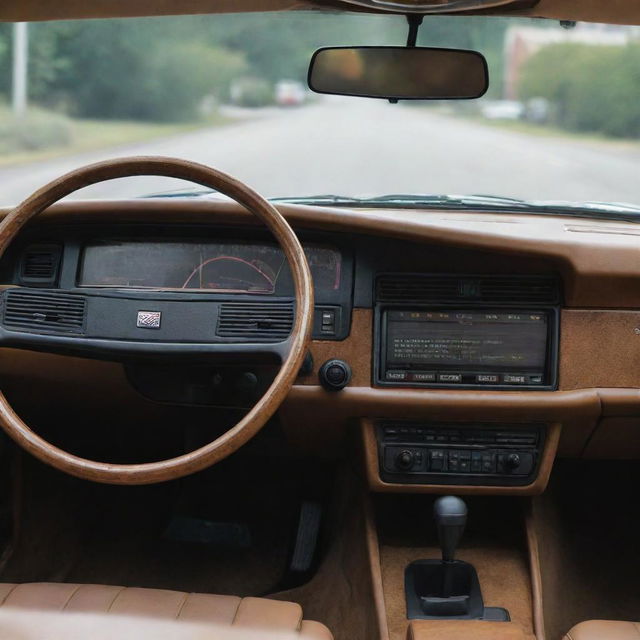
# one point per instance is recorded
(44, 311)
(447, 289)
(255, 320)
(40, 263)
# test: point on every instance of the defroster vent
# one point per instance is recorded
(266, 321)
(44, 311)
(447, 289)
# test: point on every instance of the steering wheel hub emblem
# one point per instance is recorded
(149, 319)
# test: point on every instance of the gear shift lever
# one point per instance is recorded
(451, 517)
(447, 588)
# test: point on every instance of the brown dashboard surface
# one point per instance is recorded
(598, 260)
(598, 348)
(599, 366)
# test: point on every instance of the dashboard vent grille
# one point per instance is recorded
(40, 263)
(44, 311)
(255, 320)
(507, 290)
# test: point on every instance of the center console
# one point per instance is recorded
(464, 332)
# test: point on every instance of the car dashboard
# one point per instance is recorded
(449, 349)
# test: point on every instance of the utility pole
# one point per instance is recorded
(20, 57)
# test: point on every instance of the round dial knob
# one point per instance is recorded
(404, 460)
(513, 461)
(334, 375)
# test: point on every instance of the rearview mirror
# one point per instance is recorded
(399, 73)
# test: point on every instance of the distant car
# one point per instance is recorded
(538, 110)
(503, 110)
(290, 93)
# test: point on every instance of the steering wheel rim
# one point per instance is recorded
(256, 418)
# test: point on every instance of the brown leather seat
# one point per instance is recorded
(605, 630)
(242, 617)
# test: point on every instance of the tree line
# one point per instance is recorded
(589, 88)
(160, 69)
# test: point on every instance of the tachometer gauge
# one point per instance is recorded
(214, 267)
(233, 274)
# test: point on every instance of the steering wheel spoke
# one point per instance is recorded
(121, 350)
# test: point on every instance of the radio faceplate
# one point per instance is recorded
(467, 331)
(459, 454)
(443, 347)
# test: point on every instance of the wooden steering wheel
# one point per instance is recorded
(291, 351)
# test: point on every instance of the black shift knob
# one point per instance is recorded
(451, 517)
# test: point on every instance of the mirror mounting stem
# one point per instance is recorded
(414, 20)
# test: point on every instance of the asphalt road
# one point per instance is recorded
(365, 147)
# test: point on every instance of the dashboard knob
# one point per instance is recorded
(334, 375)
(404, 460)
(513, 461)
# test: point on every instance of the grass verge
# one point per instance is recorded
(83, 135)
(547, 131)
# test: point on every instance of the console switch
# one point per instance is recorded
(436, 459)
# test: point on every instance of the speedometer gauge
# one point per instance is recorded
(214, 267)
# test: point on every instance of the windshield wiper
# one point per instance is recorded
(418, 200)
(322, 200)
(188, 192)
(588, 209)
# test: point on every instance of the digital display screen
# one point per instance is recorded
(214, 267)
(472, 343)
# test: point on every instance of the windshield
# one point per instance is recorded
(560, 122)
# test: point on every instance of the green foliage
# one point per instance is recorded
(124, 69)
(591, 88)
(252, 92)
(177, 78)
(37, 130)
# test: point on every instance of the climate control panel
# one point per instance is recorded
(459, 454)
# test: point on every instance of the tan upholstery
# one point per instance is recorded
(208, 613)
(463, 630)
(605, 630)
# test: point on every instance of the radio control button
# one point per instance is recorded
(396, 376)
(454, 462)
(476, 462)
(488, 463)
(405, 460)
(422, 376)
(488, 378)
(450, 377)
(436, 459)
(514, 379)
(513, 461)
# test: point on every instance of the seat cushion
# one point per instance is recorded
(156, 605)
(605, 630)
(464, 630)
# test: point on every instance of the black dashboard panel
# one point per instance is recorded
(224, 266)
(119, 291)
(485, 454)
